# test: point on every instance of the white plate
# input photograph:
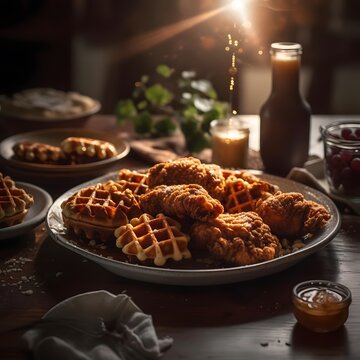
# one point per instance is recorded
(54, 137)
(36, 214)
(216, 276)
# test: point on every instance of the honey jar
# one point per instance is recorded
(321, 305)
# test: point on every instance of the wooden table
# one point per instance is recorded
(244, 320)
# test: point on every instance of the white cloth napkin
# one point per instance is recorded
(308, 178)
(74, 330)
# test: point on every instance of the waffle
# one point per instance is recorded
(36, 152)
(157, 239)
(241, 196)
(84, 150)
(14, 202)
(96, 211)
(133, 180)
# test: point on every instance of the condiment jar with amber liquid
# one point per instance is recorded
(320, 305)
(285, 116)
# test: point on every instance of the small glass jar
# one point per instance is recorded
(342, 157)
(321, 305)
(230, 142)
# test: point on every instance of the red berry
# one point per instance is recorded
(346, 155)
(336, 161)
(352, 137)
(357, 132)
(345, 133)
(355, 164)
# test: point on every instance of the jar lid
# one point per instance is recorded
(289, 48)
(345, 133)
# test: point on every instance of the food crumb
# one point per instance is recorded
(287, 344)
(28, 292)
(264, 344)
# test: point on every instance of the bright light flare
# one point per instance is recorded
(240, 8)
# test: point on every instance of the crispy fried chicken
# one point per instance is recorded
(291, 215)
(239, 239)
(181, 201)
(188, 170)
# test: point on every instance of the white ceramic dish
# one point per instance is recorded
(214, 276)
(54, 137)
(36, 214)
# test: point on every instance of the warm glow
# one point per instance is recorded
(240, 9)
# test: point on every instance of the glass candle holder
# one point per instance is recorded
(342, 157)
(320, 305)
(230, 142)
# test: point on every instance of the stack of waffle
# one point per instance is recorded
(96, 211)
(14, 202)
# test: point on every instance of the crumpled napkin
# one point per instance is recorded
(307, 177)
(173, 147)
(159, 149)
(75, 330)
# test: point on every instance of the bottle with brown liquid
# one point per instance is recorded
(285, 116)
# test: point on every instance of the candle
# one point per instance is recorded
(230, 143)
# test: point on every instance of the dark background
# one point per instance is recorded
(101, 47)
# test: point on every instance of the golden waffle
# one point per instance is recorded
(133, 180)
(96, 211)
(84, 150)
(156, 239)
(242, 196)
(38, 153)
(14, 202)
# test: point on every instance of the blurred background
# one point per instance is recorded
(101, 48)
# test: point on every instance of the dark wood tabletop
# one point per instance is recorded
(245, 320)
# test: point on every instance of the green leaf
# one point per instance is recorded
(164, 71)
(190, 112)
(222, 108)
(158, 95)
(144, 79)
(164, 127)
(203, 105)
(143, 123)
(198, 141)
(188, 74)
(125, 109)
(208, 118)
(189, 126)
(142, 105)
(203, 86)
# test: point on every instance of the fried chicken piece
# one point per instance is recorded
(181, 201)
(239, 239)
(188, 170)
(291, 215)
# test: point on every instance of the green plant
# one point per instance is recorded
(173, 100)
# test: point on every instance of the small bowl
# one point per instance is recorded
(321, 305)
(342, 157)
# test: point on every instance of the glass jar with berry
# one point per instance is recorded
(342, 157)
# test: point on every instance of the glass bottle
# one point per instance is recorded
(285, 116)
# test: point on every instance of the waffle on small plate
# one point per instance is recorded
(96, 211)
(153, 238)
(40, 153)
(14, 202)
(82, 150)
